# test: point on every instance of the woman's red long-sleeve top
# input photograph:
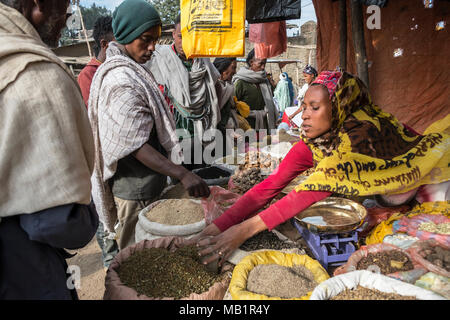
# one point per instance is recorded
(298, 159)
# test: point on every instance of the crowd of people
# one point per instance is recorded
(82, 159)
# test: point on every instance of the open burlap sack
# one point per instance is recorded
(116, 290)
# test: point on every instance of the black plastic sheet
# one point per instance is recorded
(259, 11)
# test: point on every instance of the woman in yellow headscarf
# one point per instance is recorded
(356, 149)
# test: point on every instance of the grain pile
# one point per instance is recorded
(361, 293)
(159, 273)
(267, 240)
(440, 228)
(274, 280)
(388, 261)
(252, 171)
(176, 212)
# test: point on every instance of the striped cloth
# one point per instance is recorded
(124, 105)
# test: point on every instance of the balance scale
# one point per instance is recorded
(331, 250)
(330, 228)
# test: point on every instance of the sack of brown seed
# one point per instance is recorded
(365, 285)
(170, 217)
(153, 270)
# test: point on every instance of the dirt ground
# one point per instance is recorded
(89, 259)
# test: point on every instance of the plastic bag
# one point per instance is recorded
(213, 28)
(218, 202)
(382, 230)
(333, 286)
(265, 11)
(115, 289)
(238, 284)
(411, 227)
(435, 282)
(418, 253)
(270, 39)
(376, 215)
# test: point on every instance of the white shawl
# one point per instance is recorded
(46, 144)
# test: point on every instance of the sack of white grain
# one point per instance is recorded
(348, 286)
(274, 275)
(170, 217)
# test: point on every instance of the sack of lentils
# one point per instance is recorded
(162, 269)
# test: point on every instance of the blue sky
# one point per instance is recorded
(307, 9)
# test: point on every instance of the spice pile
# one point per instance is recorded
(388, 261)
(159, 273)
(438, 256)
(251, 172)
(361, 293)
(176, 212)
(274, 280)
(244, 180)
(441, 228)
(266, 240)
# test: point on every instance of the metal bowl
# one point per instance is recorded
(332, 215)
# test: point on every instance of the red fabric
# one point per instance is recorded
(298, 159)
(329, 79)
(85, 78)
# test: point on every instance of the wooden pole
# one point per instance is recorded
(85, 33)
(343, 34)
(359, 42)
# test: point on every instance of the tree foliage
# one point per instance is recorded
(91, 14)
(167, 9)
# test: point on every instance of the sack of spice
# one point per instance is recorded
(385, 259)
(155, 269)
(273, 275)
(365, 285)
(432, 256)
(170, 217)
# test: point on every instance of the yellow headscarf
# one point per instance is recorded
(368, 151)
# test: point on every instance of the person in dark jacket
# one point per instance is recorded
(47, 156)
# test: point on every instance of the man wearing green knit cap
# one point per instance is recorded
(134, 131)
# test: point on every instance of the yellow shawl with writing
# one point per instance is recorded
(369, 151)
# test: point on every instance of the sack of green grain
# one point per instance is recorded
(170, 217)
(162, 269)
(365, 285)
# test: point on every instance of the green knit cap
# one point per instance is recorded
(132, 18)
